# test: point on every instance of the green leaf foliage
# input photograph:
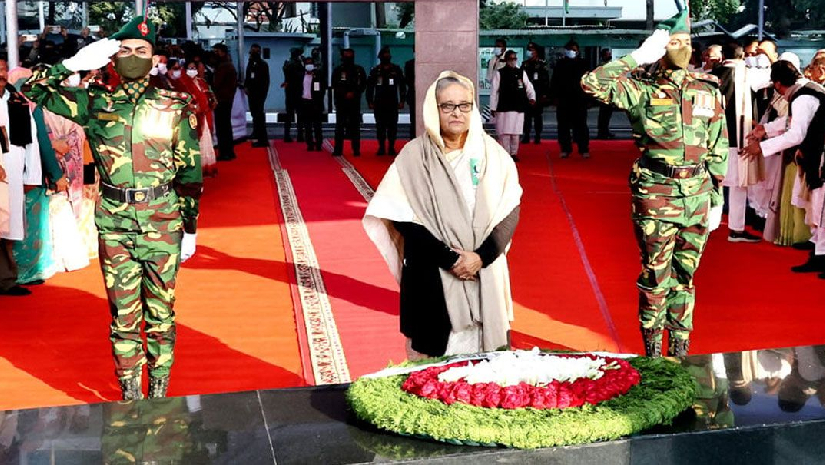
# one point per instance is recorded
(504, 15)
(665, 390)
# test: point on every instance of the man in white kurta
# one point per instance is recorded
(22, 167)
(510, 94)
(803, 109)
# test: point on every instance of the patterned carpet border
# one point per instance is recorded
(329, 364)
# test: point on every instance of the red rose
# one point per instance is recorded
(492, 395)
(463, 392)
(429, 389)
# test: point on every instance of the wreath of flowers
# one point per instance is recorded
(615, 377)
(663, 391)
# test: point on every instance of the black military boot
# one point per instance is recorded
(653, 342)
(678, 347)
(158, 387)
(132, 388)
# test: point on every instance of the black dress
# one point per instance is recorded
(424, 317)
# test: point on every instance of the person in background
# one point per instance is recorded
(293, 84)
(511, 95)
(409, 74)
(22, 172)
(158, 75)
(224, 85)
(312, 105)
(206, 124)
(386, 90)
(536, 70)
(497, 61)
(571, 109)
(349, 81)
(256, 85)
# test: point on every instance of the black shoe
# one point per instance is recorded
(525, 140)
(516, 158)
(356, 154)
(260, 144)
(36, 282)
(287, 139)
(742, 236)
(537, 141)
(392, 152)
(806, 245)
(319, 148)
(822, 275)
(310, 148)
(815, 264)
(17, 291)
(300, 139)
(336, 154)
(380, 151)
(585, 155)
(223, 158)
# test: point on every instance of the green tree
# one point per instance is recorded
(782, 16)
(502, 16)
(719, 10)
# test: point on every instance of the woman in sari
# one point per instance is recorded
(443, 218)
(190, 83)
(33, 254)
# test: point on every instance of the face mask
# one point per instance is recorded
(677, 57)
(762, 61)
(570, 53)
(175, 74)
(499, 51)
(191, 72)
(161, 68)
(348, 60)
(511, 63)
(73, 81)
(132, 68)
(310, 68)
(385, 59)
(750, 62)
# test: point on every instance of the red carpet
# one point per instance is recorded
(746, 299)
(362, 293)
(236, 325)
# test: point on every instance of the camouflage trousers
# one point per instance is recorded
(139, 271)
(671, 247)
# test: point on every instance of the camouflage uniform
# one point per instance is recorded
(677, 120)
(140, 137)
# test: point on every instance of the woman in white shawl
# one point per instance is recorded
(442, 218)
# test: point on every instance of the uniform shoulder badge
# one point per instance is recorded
(193, 120)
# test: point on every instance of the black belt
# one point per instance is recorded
(134, 195)
(671, 171)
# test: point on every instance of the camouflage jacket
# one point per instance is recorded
(677, 119)
(147, 143)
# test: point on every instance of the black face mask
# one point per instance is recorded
(385, 59)
(255, 55)
(348, 60)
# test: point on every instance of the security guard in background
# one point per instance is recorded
(676, 184)
(145, 144)
(293, 86)
(386, 90)
(536, 69)
(348, 83)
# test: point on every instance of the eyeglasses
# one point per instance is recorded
(448, 108)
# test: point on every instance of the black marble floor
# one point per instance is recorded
(754, 407)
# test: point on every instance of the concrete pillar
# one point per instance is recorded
(11, 34)
(446, 38)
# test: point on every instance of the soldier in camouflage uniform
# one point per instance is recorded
(679, 126)
(145, 145)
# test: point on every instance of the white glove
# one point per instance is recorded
(652, 48)
(93, 56)
(187, 246)
(714, 218)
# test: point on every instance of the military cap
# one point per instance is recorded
(137, 28)
(680, 22)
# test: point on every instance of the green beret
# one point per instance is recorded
(137, 28)
(678, 23)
